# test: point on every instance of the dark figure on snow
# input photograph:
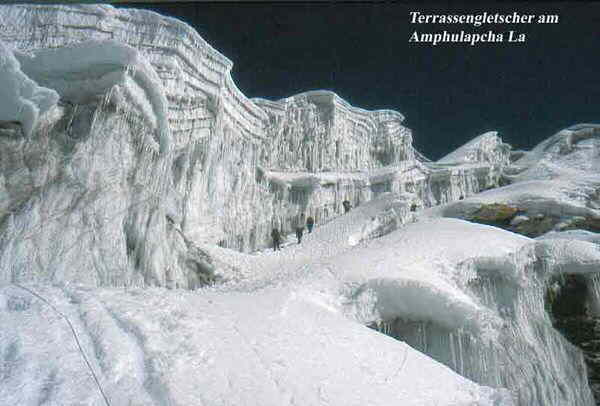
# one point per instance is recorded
(346, 205)
(276, 239)
(310, 223)
(299, 227)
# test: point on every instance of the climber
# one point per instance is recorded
(276, 239)
(346, 205)
(310, 223)
(299, 227)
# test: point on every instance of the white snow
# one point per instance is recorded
(487, 147)
(559, 177)
(289, 328)
(560, 197)
(572, 235)
(156, 347)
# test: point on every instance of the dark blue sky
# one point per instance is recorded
(449, 93)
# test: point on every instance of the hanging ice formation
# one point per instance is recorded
(91, 173)
(145, 138)
(554, 191)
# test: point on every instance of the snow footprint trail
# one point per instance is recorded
(39, 354)
(270, 267)
(158, 347)
(75, 337)
(119, 353)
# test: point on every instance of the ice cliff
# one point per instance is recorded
(127, 140)
(130, 162)
(191, 160)
(319, 132)
(553, 194)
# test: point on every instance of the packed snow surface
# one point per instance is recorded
(157, 347)
(287, 328)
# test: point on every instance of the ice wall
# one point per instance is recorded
(215, 131)
(320, 150)
(473, 298)
(221, 141)
(323, 151)
(89, 192)
(478, 166)
(487, 147)
(554, 187)
(87, 197)
(229, 168)
(318, 131)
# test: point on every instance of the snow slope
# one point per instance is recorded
(157, 347)
(487, 147)
(289, 327)
(559, 178)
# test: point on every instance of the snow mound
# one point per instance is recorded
(556, 184)
(420, 271)
(568, 153)
(560, 198)
(487, 147)
(157, 347)
(582, 235)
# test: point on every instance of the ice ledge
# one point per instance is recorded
(23, 100)
(100, 68)
(327, 96)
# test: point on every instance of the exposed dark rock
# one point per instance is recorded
(567, 305)
(568, 297)
(535, 227)
(495, 214)
(588, 224)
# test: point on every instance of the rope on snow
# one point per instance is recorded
(74, 335)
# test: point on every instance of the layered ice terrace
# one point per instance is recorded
(138, 188)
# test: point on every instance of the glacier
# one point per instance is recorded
(138, 189)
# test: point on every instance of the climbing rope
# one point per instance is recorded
(74, 335)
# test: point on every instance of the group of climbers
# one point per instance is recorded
(298, 224)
